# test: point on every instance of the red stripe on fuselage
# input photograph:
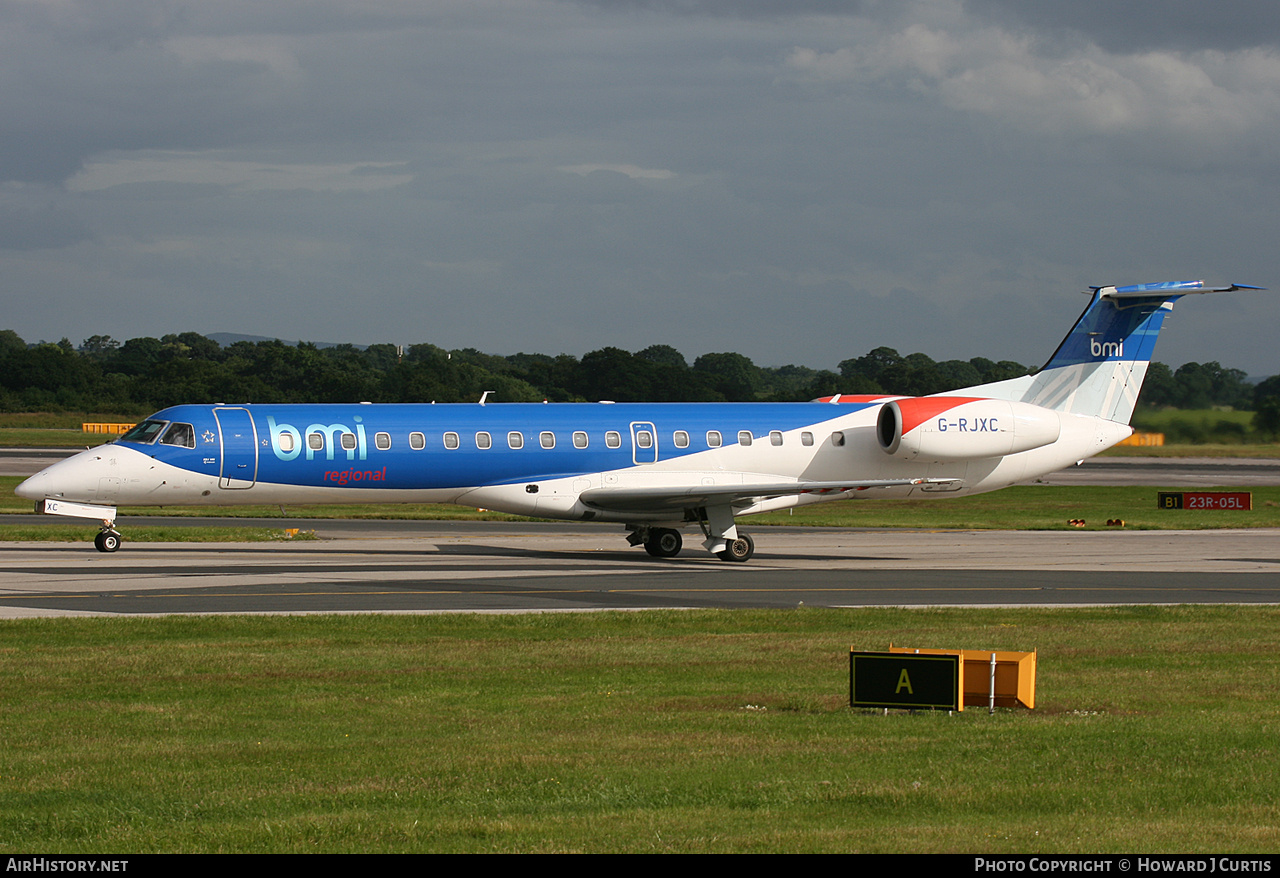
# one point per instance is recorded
(841, 398)
(917, 410)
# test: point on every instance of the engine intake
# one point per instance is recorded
(947, 428)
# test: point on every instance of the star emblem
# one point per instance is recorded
(207, 435)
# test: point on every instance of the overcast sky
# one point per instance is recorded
(797, 180)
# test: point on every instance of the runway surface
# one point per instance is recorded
(419, 567)
(423, 566)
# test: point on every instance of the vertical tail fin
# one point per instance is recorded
(1098, 368)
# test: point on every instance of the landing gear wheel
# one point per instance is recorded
(739, 550)
(107, 541)
(664, 543)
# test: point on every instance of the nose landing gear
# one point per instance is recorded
(108, 540)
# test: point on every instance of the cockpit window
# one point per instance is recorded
(183, 435)
(144, 433)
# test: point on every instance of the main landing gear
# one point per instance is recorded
(665, 542)
(660, 542)
(740, 549)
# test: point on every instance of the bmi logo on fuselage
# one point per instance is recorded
(331, 433)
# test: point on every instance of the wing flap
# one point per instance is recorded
(670, 498)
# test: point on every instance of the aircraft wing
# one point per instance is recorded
(665, 498)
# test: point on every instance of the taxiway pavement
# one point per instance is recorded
(424, 567)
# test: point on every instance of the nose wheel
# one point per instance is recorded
(107, 541)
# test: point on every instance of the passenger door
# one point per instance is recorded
(239, 438)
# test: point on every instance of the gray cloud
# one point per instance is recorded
(37, 227)
(1181, 25)
(798, 182)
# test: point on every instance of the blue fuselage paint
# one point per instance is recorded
(452, 457)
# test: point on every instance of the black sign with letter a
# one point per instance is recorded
(904, 680)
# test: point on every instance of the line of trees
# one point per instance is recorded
(145, 374)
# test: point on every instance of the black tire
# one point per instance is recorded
(738, 550)
(106, 541)
(664, 543)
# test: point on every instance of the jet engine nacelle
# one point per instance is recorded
(945, 428)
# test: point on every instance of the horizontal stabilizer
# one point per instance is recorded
(1169, 289)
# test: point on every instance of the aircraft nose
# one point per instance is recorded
(76, 479)
(31, 488)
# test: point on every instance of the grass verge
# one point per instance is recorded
(1253, 451)
(1156, 731)
(85, 533)
(1032, 507)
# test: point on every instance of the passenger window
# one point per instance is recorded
(579, 439)
(382, 441)
(484, 440)
(183, 435)
(775, 438)
(286, 442)
(515, 440)
(315, 441)
(613, 439)
(547, 439)
(680, 438)
(837, 439)
(348, 441)
(806, 438)
(451, 440)
(417, 441)
(644, 439)
(713, 439)
(744, 437)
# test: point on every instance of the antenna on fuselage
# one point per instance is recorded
(485, 396)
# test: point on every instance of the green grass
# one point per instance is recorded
(60, 420)
(1032, 507)
(1268, 451)
(49, 438)
(1161, 419)
(1197, 426)
(1156, 730)
(84, 533)
(54, 429)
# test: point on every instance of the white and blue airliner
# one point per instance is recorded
(657, 469)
